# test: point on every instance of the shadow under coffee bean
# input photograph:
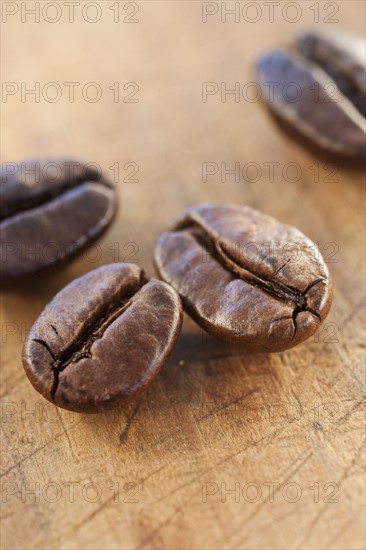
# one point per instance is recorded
(103, 338)
(217, 257)
(49, 210)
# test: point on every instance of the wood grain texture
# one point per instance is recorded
(286, 431)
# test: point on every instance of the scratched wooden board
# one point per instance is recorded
(284, 432)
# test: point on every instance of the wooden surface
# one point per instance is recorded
(216, 419)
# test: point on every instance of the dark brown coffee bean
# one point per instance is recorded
(318, 89)
(342, 58)
(102, 339)
(49, 210)
(246, 277)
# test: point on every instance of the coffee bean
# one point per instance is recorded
(102, 339)
(318, 89)
(49, 210)
(245, 277)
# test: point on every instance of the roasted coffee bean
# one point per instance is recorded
(318, 89)
(245, 277)
(49, 210)
(102, 339)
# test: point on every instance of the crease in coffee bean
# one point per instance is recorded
(46, 197)
(50, 193)
(277, 289)
(54, 329)
(348, 89)
(284, 292)
(307, 47)
(281, 291)
(282, 266)
(228, 262)
(72, 354)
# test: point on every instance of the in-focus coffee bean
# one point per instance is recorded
(50, 209)
(245, 277)
(103, 338)
(318, 89)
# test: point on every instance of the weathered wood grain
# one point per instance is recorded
(285, 431)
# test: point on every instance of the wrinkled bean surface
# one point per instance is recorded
(218, 258)
(318, 88)
(49, 210)
(102, 339)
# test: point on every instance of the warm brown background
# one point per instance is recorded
(214, 415)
